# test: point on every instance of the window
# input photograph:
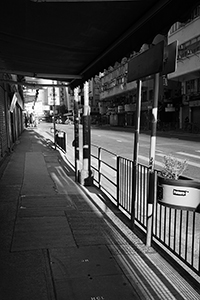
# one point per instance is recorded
(150, 94)
(190, 47)
(190, 86)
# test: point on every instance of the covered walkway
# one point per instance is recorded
(60, 240)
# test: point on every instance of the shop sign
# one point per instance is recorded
(194, 103)
(120, 108)
(146, 63)
(169, 109)
(53, 97)
(129, 107)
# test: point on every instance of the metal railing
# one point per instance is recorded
(176, 231)
(104, 165)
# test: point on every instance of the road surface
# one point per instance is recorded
(121, 143)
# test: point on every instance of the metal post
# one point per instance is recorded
(151, 183)
(136, 149)
(86, 178)
(99, 166)
(54, 115)
(76, 134)
(118, 178)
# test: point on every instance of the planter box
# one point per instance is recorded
(183, 193)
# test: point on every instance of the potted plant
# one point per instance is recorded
(175, 190)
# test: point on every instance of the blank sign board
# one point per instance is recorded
(146, 63)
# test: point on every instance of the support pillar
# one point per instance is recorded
(54, 115)
(76, 134)
(86, 177)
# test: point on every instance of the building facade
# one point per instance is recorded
(11, 114)
(117, 104)
(179, 92)
(188, 67)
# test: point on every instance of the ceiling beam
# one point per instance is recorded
(43, 75)
(34, 85)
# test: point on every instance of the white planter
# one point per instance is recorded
(181, 193)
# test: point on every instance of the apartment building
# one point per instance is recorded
(188, 66)
(117, 104)
(179, 93)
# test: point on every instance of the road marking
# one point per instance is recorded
(194, 164)
(188, 154)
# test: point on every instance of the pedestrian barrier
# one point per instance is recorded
(176, 231)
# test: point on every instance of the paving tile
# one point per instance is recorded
(41, 232)
(23, 276)
(38, 206)
(114, 287)
(82, 262)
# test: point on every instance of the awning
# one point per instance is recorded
(65, 40)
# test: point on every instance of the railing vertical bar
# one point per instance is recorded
(186, 234)
(136, 205)
(130, 185)
(132, 192)
(143, 194)
(122, 182)
(99, 167)
(165, 221)
(199, 256)
(180, 231)
(147, 182)
(138, 192)
(193, 237)
(160, 220)
(117, 187)
(127, 185)
(175, 215)
(123, 186)
(169, 235)
(156, 219)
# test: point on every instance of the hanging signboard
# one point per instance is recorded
(50, 96)
(147, 63)
(170, 58)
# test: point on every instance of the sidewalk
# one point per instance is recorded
(59, 240)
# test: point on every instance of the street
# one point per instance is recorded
(121, 143)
